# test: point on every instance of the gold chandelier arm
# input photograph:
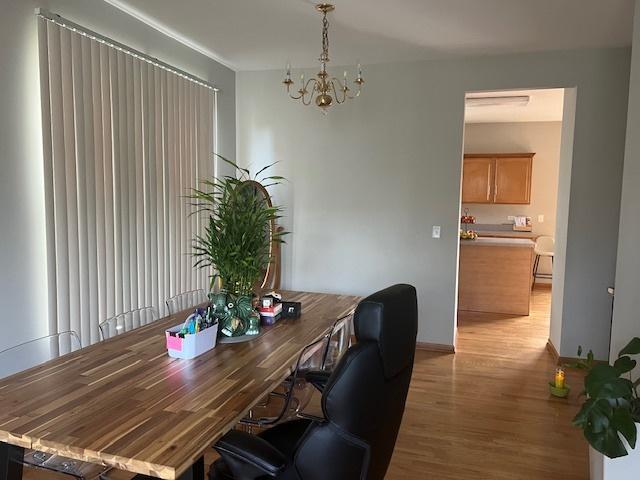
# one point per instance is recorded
(339, 101)
(314, 85)
(344, 90)
(304, 90)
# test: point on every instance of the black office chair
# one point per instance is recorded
(362, 403)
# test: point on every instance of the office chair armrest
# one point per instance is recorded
(249, 456)
(317, 378)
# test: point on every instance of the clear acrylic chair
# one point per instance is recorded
(293, 395)
(186, 300)
(125, 322)
(31, 354)
(339, 342)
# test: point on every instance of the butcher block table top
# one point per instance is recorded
(125, 403)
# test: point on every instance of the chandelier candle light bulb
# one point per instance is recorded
(324, 88)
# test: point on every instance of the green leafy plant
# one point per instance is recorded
(612, 405)
(239, 229)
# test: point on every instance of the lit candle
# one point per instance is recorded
(288, 70)
(559, 378)
(302, 78)
(359, 70)
(345, 75)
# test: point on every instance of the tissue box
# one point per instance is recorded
(191, 345)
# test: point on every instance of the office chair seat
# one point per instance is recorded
(318, 378)
(284, 436)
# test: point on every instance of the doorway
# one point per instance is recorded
(512, 214)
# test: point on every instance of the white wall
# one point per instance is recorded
(368, 181)
(23, 287)
(626, 320)
(541, 138)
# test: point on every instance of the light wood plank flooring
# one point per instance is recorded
(485, 413)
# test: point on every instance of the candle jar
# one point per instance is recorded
(559, 378)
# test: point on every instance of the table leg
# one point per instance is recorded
(196, 472)
(11, 461)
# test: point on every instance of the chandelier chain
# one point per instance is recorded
(324, 57)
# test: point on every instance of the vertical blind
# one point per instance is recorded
(124, 142)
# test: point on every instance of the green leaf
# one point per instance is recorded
(623, 422)
(606, 442)
(599, 373)
(624, 364)
(265, 168)
(632, 348)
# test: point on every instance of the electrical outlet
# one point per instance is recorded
(540, 218)
(435, 231)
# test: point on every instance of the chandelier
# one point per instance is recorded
(325, 89)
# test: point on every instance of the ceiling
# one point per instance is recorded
(265, 34)
(544, 105)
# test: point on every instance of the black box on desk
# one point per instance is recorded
(291, 309)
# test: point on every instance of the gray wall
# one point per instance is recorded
(562, 216)
(369, 180)
(23, 287)
(626, 321)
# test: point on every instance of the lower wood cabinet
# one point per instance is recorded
(497, 178)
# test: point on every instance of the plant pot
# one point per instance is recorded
(623, 468)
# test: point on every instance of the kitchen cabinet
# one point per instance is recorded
(497, 178)
(495, 275)
(476, 180)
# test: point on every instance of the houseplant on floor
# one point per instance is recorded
(610, 415)
(236, 243)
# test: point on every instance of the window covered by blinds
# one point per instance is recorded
(124, 141)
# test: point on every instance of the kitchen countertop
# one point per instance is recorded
(507, 234)
(499, 242)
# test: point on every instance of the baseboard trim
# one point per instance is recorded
(552, 350)
(565, 360)
(435, 347)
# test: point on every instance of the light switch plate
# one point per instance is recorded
(540, 218)
(435, 231)
(511, 218)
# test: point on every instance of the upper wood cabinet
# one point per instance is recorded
(497, 178)
(477, 178)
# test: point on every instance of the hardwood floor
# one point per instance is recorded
(485, 413)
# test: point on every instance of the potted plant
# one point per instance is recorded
(610, 415)
(236, 243)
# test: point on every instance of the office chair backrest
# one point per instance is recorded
(365, 396)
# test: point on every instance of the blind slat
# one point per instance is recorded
(124, 141)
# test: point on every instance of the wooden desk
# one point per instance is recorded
(125, 403)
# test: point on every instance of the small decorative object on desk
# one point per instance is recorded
(291, 309)
(270, 308)
(558, 387)
(195, 336)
